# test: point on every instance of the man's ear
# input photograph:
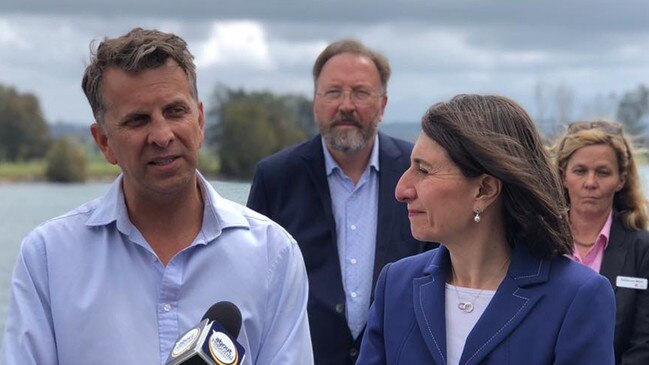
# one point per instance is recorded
(201, 122)
(101, 140)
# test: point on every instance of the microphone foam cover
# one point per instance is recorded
(227, 314)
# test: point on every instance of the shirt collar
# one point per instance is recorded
(112, 208)
(605, 233)
(331, 165)
(219, 213)
(602, 238)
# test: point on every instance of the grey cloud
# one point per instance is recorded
(437, 48)
(629, 14)
(568, 25)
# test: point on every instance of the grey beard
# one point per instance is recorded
(349, 141)
(346, 141)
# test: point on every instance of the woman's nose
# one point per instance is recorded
(405, 190)
(591, 180)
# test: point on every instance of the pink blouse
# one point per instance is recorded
(593, 258)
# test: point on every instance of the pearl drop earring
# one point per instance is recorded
(476, 218)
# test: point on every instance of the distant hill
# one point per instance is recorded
(403, 130)
(79, 131)
(408, 131)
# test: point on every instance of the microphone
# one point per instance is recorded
(213, 341)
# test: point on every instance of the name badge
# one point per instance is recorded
(631, 282)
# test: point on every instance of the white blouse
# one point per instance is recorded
(464, 307)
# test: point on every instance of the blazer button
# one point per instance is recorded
(340, 308)
(353, 352)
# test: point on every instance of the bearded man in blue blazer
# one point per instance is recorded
(335, 195)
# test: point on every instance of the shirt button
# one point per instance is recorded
(166, 307)
(353, 261)
(353, 227)
(353, 352)
(340, 308)
(353, 294)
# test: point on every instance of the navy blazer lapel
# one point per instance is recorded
(388, 207)
(313, 158)
(315, 166)
(511, 304)
(615, 253)
(429, 304)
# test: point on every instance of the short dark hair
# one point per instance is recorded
(136, 51)
(493, 135)
(355, 47)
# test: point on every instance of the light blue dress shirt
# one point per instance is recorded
(88, 289)
(355, 209)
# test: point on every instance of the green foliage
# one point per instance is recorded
(208, 163)
(21, 171)
(633, 110)
(101, 170)
(250, 126)
(34, 170)
(24, 134)
(65, 162)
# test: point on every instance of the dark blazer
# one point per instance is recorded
(627, 254)
(544, 312)
(291, 188)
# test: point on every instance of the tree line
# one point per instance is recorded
(24, 134)
(242, 127)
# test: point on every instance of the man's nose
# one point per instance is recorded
(161, 133)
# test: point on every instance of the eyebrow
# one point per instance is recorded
(600, 166)
(419, 161)
(173, 103)
(133, 114)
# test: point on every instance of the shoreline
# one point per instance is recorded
(13, 180)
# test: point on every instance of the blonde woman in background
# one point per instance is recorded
(608, 217)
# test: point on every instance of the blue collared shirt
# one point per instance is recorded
(88, 289)
(355, 209)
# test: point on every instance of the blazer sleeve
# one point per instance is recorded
(638, 351)
(586, 335)
(373, 345)
(257, 199)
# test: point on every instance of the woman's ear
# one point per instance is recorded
(621, 183)
(489, 189)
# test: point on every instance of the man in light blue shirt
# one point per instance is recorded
(353, 207)
(119, 279)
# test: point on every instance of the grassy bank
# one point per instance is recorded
(642, 156)
(96, 169)
(35, 171)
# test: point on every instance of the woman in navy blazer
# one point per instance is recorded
(608, 218)
(500, 289)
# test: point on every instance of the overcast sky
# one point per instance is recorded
(437, 48)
